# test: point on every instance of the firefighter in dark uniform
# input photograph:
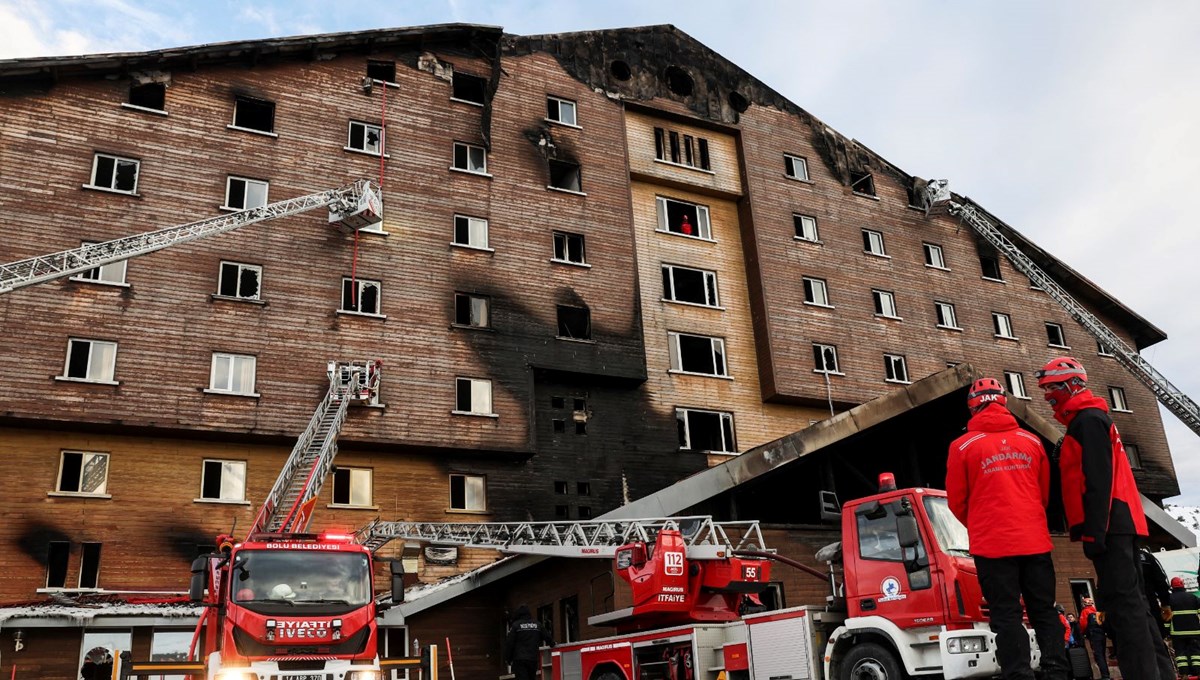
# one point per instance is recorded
(1185, 629)
(525, 638)
(1104, 511)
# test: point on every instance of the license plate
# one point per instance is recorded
(304, 676)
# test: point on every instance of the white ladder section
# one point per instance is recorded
(351, 208)
(937, 192)
(704, 538)
(286, 508)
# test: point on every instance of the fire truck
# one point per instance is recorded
(904, 596)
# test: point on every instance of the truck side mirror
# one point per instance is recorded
(906, 530)
(199, 579)
(397, 568)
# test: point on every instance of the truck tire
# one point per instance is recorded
(869, 661)
(608, 675)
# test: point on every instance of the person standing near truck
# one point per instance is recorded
(1185, 629)
(998, 484)
(1104, 512)
(522, 647)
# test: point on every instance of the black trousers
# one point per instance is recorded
(1141, 653)
(1004, 581)
(524, 670)
(1187, 654)
(1099, 644)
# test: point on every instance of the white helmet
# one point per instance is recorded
(282, 592)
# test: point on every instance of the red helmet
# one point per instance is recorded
(1060, 370)
(1176, 582)
(985, 391)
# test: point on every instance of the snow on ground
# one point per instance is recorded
(1187, 515)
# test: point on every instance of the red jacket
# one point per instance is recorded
(1100, 496)
(998, 484)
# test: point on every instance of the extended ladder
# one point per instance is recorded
(288, 507)
(705, 539)
(351, 208)
(938, 193)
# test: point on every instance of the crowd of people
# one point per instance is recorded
(998, 484)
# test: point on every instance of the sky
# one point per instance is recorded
(1074, 121)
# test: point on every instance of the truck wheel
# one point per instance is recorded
(869, 661)
(608, 675)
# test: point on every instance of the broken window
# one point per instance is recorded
(381, 70)
(895, 368)
(862, 183)
(945, 315)
(574, 323)
(558, 402)
(583, 488)
(1134, 454)
(365, 137)
(705, 430)
(470, 158)
(473, 396)
(90, 360)
(151, 96)
(242, 193)
(565, 175)
(697, 354)
(693, 286)
(1103, 350)
(237, 280)
(83, 472)
(1054, 335)
(816, 292)
(470, 231)
(560, 426)
(1002, 324)
(232, 373)
(472, 310)
(561, 111)
(806, 227)
(115, 173)
(468, 492)
(580, 405)
(468, 88)
(352, 486)
(58, 556)
(1117, 399)
(561, 488)
(933, 256)
(113, 272)
(361, 296)
(254, 114)
(990, 264)
(568, 247)
(680, 217)
(1016, 384)
(89, 566)
(885, 303)
(795, 167)
(873, 242)
(223, 480)
(825, 359)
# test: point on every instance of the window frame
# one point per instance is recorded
(999, 271)
(450, 492)
(703, 223)
(868, 184)
(470, 221)
(84, 277)
(1102, 350)
(711, 285)
(83, 461)
(725, 417)
(869, 238)
(837, 366)
(799, 224)
(237, 100)
(247, 182)
(559, 101)
(878, 296)
(483, 82)
(233, 360)
(142, 107)
(1014, 381)
(358, 296)
(471, 382)
(813, 284)
(367, 127)
(890, 374)
(1062, 335)
(469, 147)
(997, 326)
(349, 503)
(717, 349)
(928, 249)
(555, 166)
(790, 165)
(83, 564)
(116, 163)
(1118, 400)
(587, 313)
(938, 307)
(241, 266)
(470, 298)
(1134, 458)
(111, 371)
(201, 498)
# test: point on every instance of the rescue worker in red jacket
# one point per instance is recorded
(1104, 511)
(1185, 629)
(998, 483)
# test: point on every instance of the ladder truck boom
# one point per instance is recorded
(937, 194)
(351, 208)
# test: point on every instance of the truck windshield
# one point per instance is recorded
(950, 533)
(300, 577)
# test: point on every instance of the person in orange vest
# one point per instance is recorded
(1104, 512)
(997, 484)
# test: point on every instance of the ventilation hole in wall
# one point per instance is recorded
(738, 102)
(679, 82)
(620, 70)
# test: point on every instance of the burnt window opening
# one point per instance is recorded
(693, 286)
(148, 96)
(561, 488)
(679, 82)
(583, 488)
(1134, 454)
(472, 310)
(862, 183)
(580, 405)
(58, 555)
(581, 427)
(620, 70)
(89, 566)
(990, 265)
(360, 296)
(565, 175)
(738, 102)
(584, 513)
(568, 247)
(825, 359)
(674, 147)
(705, 431)
(697, 354)
(237, 280)
(469, 88)
(381, 70)
(562, 511)
(574, 323)
(689, 155)
(560, 426)
(679, 217)
(702, 145)
(660, 144)
(254, 114)
(1054, 335)
(558, 402)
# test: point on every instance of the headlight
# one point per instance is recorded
(966, 645)
(363, 675)
(237, 674)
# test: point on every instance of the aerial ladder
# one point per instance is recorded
(937, 195)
